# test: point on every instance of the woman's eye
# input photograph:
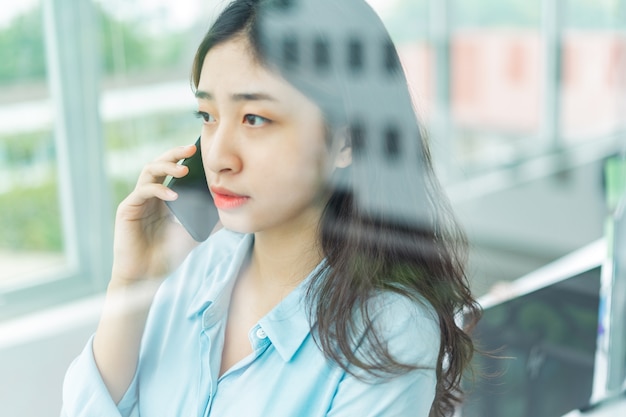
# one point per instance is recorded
(254, 120)
(206, 117)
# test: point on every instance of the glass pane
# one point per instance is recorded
(132, 142)
(496, 13)
(147, 102)
(409, 25)
(496, 81)
(31, 241)
(594, 54)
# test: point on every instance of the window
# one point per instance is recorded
(593, 61)
(33, 246)
(85, 100)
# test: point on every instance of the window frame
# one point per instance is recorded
(70, 31)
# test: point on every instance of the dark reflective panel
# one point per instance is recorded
(355, 55)
(357, 138)
(392, 143)
(391, 62)
(290, 52)
(321, 53)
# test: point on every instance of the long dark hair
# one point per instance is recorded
(387, 225)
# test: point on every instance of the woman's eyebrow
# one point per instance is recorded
(204, 95)
(252, 97)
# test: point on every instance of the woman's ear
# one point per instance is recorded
(344, 157)
(344, 149)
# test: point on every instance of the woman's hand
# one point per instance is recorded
(142, 221)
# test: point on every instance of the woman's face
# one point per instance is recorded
(263, 145)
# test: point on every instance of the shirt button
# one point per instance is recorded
(260, 333)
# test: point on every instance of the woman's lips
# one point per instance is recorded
(225, 199)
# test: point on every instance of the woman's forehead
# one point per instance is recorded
(231, 70)
(232, 62)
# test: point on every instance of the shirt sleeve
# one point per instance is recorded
(412, 334)
(86, 395)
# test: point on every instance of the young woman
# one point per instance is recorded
(333, 287)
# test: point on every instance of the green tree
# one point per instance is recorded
(124, 47)
(22, 55)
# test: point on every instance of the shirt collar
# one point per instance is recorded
(221, 269)
(287, 325)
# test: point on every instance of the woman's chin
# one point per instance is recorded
(236, 226)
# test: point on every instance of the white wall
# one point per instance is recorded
(35, 352)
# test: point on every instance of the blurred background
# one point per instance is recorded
(523, 101)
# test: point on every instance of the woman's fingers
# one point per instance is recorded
(150, 190)
(155, 172)
(150, 182)
(142, 220)
(178, 153)
(167, 164)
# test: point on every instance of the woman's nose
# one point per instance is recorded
(220, 151)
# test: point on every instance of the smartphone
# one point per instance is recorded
(194, 207)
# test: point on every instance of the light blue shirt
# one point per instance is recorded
(287, 374)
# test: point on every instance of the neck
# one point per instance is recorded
(283, 260)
